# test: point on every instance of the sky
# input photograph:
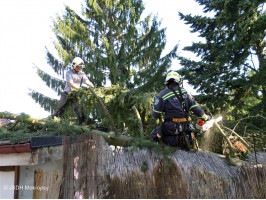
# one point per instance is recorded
(26, 31)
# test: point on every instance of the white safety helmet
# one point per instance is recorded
(77, 62)
(172, 76)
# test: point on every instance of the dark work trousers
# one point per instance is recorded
(60, 109)
(168, 133)
(168, 139)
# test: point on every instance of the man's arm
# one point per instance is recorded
(89, 84)
(196, 109)
(73, 85)
(87, 81)
(157, 108)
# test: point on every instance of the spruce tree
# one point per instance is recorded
(115, 43)
(231, 72)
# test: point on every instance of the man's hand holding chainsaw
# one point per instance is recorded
(204, 125)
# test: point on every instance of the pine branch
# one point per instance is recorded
(47, 103)
(139, 120)
(248, 118)
(54, 63)
(117, 140)
(26, 119)
(54, 83)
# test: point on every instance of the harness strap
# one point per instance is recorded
(181, 119)
(81, 81)
(182, 102)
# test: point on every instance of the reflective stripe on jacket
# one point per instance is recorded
(167, 102)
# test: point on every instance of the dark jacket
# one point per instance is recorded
(167, 102)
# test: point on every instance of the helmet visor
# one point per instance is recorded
(80, 65)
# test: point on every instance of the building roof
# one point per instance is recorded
(3, 121)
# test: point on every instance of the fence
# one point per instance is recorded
(51, 180)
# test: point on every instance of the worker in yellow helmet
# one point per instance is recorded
(176, 104)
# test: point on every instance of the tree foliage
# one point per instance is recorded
(120, 46)
(117, 43)
(23, 127)
(231, 70)
(119, 102)
(232, 60)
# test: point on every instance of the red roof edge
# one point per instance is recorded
(17, 148)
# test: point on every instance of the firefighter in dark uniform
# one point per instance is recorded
(176, 119)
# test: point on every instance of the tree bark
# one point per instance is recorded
(145, 174)
(112, 124)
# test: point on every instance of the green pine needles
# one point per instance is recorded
(119, 47)
(230, 73)
(119, 102)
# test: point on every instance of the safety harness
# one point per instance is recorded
(182, 102)
(186, 114)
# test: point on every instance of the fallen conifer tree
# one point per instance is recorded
(141, 168)
(24, 127)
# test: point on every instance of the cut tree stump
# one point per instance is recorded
(93, 169)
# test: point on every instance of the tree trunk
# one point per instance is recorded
(102, 172)
(264, 98)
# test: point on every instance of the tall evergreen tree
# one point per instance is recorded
(232, 68)
(115, 44)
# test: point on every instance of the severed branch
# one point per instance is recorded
(112, 124)
(240, 138)
(254, 67)
(232, 151)
(118, 140)
(139, 120)
(12, 127)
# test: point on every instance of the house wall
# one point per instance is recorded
(17, 170)
(16, 159)
(6, 184)
(26, 179)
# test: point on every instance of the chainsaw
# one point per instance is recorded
(204, 126)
